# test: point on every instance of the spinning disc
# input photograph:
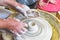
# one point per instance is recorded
(38, 29)
(53, 21)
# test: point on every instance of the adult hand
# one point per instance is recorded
(16, 27)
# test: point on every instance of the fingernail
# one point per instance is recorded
(26, 25)
(25, 29)
(22, 32)
(17, 34)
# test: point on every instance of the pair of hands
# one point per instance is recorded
(16, 27)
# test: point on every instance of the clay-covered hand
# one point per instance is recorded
(12, 3)
(14, 25)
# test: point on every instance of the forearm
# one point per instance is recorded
(3, 24)
(14, 4)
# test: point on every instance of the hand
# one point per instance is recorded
(16, 27)
(20, 7)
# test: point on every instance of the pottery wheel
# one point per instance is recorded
(38, 29)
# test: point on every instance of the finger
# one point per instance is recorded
(15, 33)
(18, 29)
(11, 19)
(24, 29)
(25, 25)
(17, 19)
(21, 30)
